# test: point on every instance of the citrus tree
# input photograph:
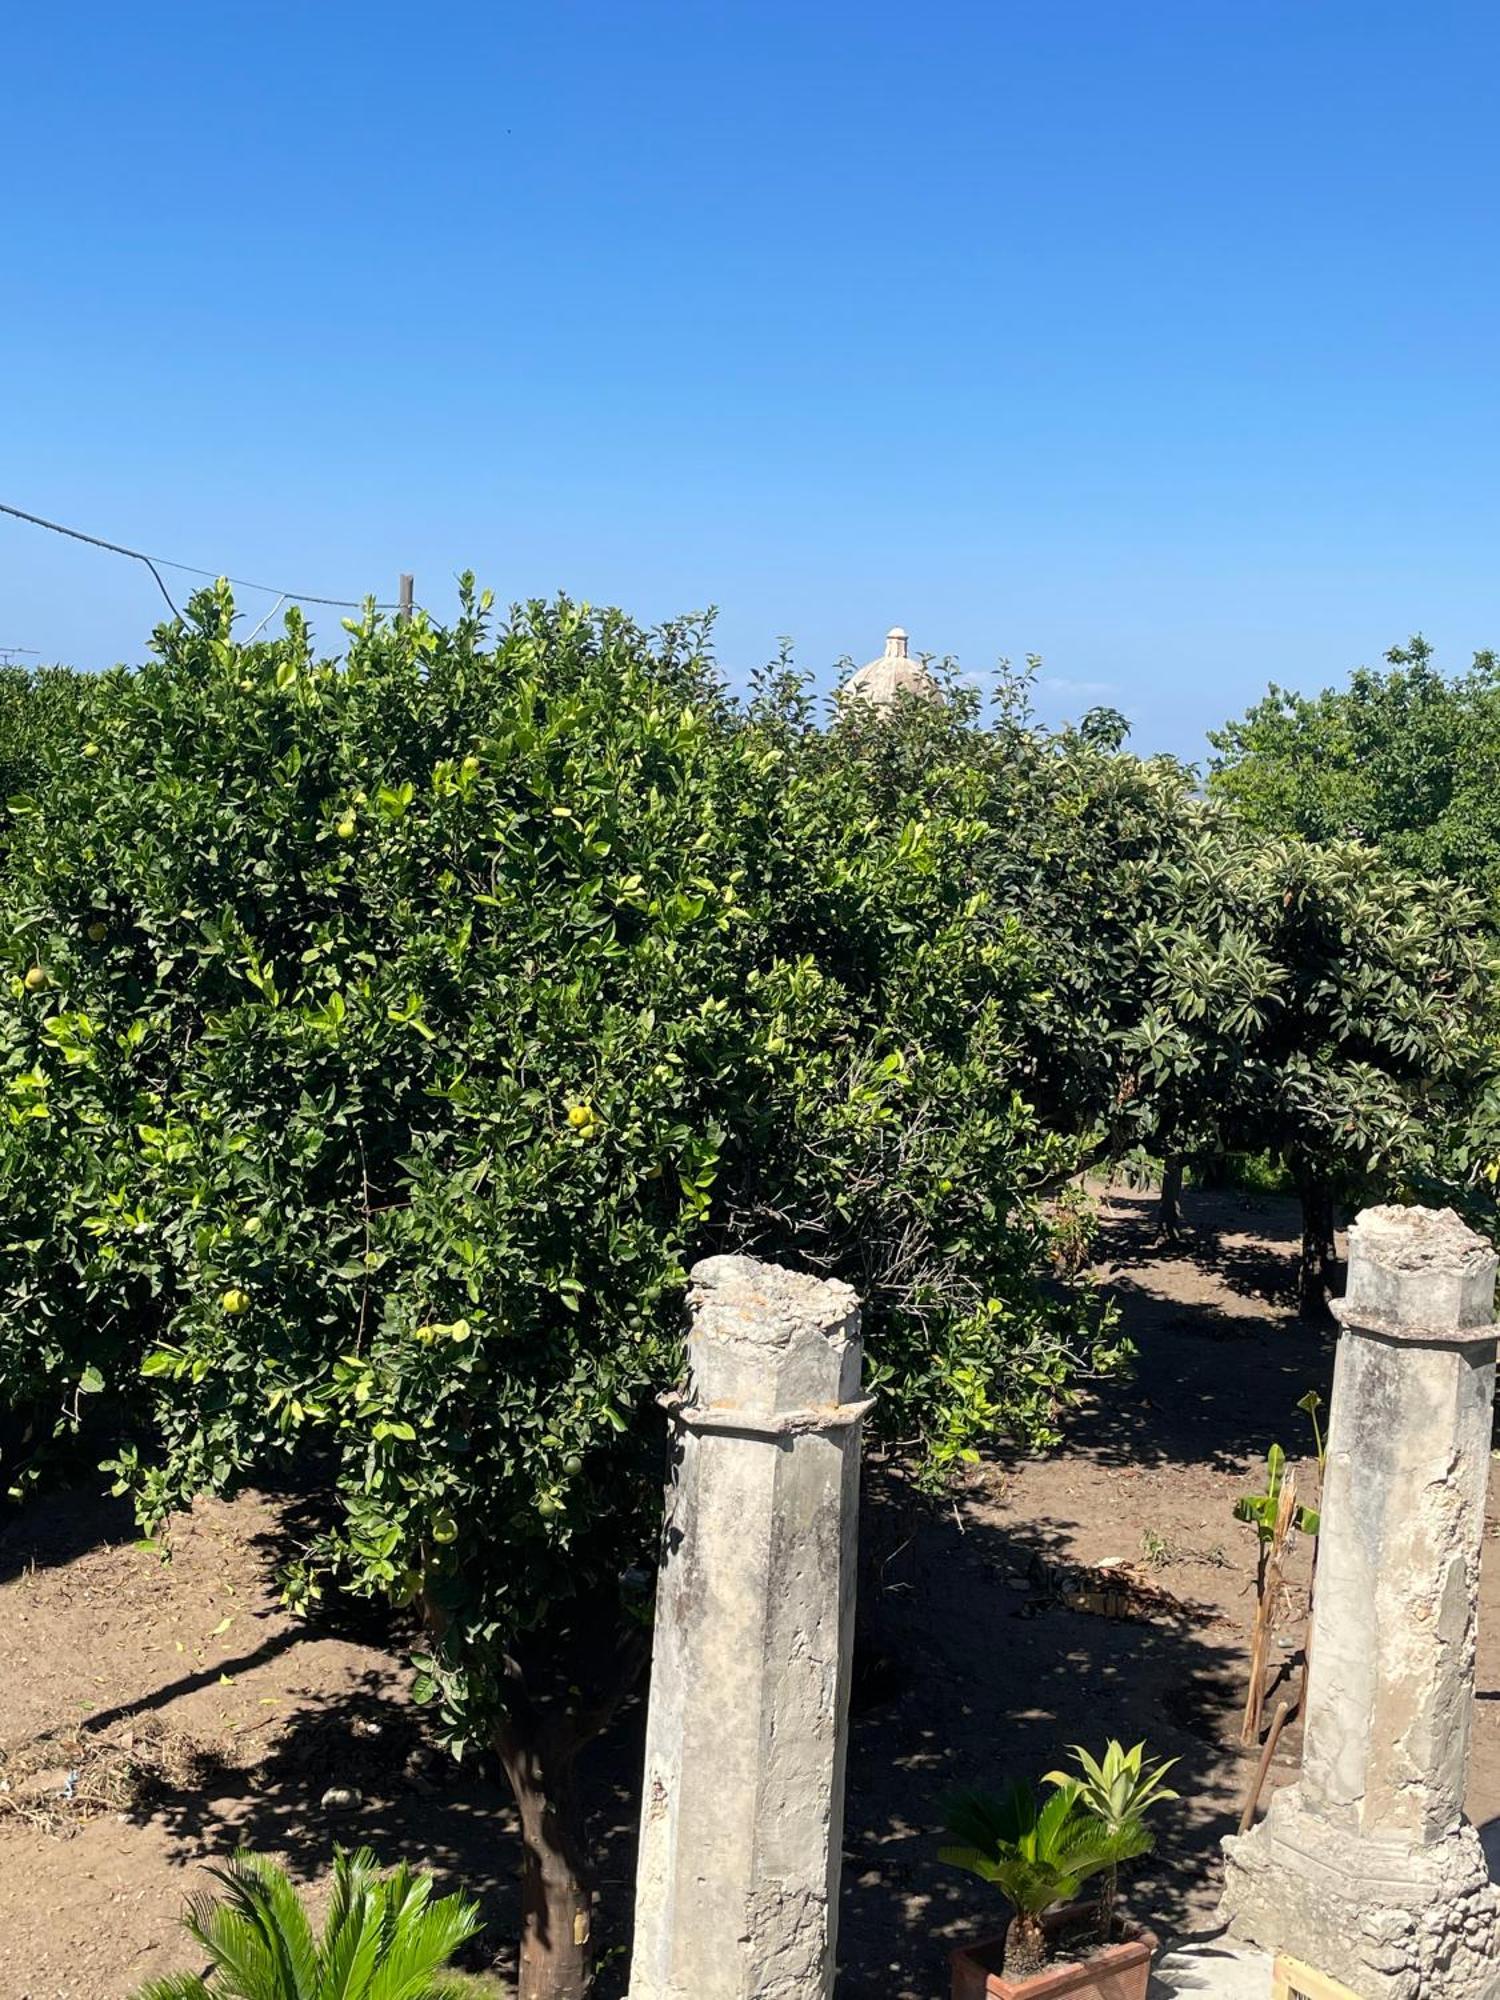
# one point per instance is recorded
(1407, 760)
(382, 1040)
(1323, 1005)
(1202, 988)
(40, 709)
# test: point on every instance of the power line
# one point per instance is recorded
(157, 563)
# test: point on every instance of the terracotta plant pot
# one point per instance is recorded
(1117, 1971)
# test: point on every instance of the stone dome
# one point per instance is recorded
(893, 674)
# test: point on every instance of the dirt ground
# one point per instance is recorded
(1105, 1590)
(999, 1668)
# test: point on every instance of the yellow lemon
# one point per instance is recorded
(35, 980)
(580, 1115)
(346, 827)
(235, 1300)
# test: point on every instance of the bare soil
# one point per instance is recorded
(155, 1716)
(1002, 1647)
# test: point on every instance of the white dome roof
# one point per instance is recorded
(894, 673)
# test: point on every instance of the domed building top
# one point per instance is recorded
(893, 674)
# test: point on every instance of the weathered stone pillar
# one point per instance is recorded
(1367, 1869)
(742, 1804)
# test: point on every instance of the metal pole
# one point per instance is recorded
(403, 616)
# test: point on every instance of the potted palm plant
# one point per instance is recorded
(1039, 1854)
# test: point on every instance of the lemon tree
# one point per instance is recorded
(409, 1023)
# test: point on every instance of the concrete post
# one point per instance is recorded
(1367, 1869)
(742, 1804)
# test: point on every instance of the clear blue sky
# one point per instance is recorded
(1158, 337)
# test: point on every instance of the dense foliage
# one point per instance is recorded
(1206, 989)
(382, 1041)
(41, 710)
(1408, 760)
(384, 1038)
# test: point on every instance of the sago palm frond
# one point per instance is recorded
(257, 1935)
(385, 1938)
(1035, 1854)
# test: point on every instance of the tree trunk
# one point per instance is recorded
(557, 1701)
(1109, 1887)
(1315, 1272)
(1025, 1946)
(557, 1900)
(1169, 1213)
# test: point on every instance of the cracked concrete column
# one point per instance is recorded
(742, 1804)
(1367, 1869)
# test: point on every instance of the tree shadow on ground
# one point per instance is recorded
(1247, 1242)
(971, 1666)
(61, 1526)
(361, 1769)
(360, 1766)
(1169, 1411)
(1207, 1387)
(983, 1674)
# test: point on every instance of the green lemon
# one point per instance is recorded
(444, 1528)
(346, 827)
(98, 932)
(235, 1300)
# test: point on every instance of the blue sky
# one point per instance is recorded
(1158, 338)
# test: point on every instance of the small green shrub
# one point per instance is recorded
(384, 1937)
